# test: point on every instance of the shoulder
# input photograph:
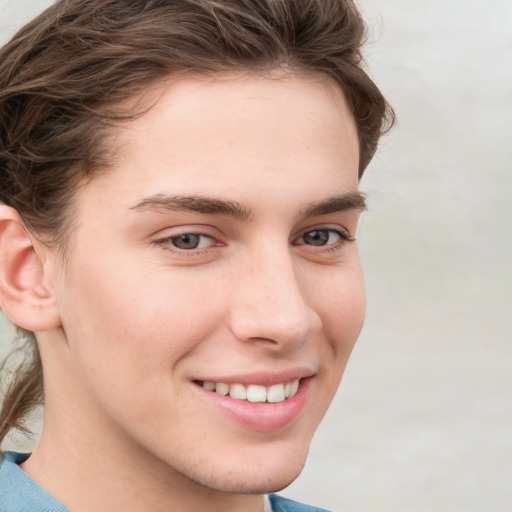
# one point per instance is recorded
(18, 492)
(280, 504)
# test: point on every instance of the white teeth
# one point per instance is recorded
(294, 387)
(275, 393)
(254, 392)
(210, 386)
(221, 388)
(238, 391)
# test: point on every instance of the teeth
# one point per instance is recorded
(275, 393)
(238, 391)
(221, 388)
(210, 386)
(294, 387)
(254, 392)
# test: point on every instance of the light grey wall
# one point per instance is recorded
(423, 419)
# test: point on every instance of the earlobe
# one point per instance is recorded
(25, 296)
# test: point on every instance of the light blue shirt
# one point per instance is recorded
(19, 493)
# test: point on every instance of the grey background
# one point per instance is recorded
(423, 419)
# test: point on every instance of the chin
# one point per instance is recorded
(249, 481)
(253, 476)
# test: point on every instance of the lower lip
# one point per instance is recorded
(261, 416)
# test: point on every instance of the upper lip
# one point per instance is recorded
(262, 378)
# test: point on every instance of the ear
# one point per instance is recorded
(25, 295)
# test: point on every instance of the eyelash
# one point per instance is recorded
(344, 237)
(168, 245)
(167, 242)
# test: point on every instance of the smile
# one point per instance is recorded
(254, 392)
(259, 401)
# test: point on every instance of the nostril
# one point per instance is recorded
(265, 340)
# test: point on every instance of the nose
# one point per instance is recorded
(270, 303)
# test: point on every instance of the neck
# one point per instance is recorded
(87, 478)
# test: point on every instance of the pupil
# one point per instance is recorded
(316, 237)
(188, 241)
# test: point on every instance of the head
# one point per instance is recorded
(153, 158)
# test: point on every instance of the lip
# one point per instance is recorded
(261, 378)
(258, 416)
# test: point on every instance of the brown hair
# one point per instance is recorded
(62, 75)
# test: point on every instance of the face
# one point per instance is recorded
(213, 291)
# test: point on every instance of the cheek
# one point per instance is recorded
(143, 321)
(342, 306)
(130, 335)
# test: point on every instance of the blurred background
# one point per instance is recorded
(423, 418)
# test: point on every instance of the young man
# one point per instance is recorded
(179, 187)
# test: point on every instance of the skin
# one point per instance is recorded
(135, 320)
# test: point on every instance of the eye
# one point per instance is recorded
(186, 241)
(189, 241)
(317, 237)
(324, 237)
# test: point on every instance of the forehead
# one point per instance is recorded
(228, 134)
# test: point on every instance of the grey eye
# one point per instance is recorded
(187, 241)
(317, 237)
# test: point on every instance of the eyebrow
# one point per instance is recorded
(353, 200)
(194, 204)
